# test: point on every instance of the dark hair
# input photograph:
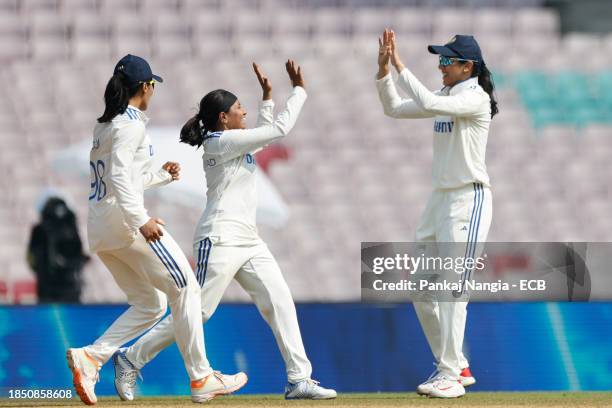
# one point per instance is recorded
(486, 82)
(194, 132)
(117, 96)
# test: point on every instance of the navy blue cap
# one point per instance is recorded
(136, 69)
(460, 46)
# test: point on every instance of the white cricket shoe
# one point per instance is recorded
(216, 384)
(445, 387)
(125, 375)
(308, 389)
(466, 378)
(426, 387)
(85, 374)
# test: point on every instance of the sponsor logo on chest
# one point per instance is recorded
(443, 126)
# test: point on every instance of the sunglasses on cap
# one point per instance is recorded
(151, 82)
(446, 61)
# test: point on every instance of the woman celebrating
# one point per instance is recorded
(227, 245)
(460, 207)
(143, 258)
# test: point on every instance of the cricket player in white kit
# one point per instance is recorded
(460, 207)
(144, 260)
(226, 244)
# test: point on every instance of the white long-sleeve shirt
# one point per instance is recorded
(120, 162)
(229, 217)
(462, 117)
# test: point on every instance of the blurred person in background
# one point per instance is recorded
(55, 253)
(143, 258)
(460, 207)
(226, 244)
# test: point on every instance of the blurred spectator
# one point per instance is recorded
(55, 253)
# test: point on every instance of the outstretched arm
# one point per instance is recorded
(466, 103)
(236, 142)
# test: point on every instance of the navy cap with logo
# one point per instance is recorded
(460, 46)
(136, 69)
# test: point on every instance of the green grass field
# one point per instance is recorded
(472, 400)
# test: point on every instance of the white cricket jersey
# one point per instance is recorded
(461, 127)
(229, 165)
(120, 160)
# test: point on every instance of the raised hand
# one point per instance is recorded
(266, 86)
(392, 45)
(384, 54)
(295, 73)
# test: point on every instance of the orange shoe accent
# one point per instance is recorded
(76, 381)
(466, 372)
(200, 383)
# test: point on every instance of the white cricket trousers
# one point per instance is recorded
(153, 275)
(461, 215)
(256, 270)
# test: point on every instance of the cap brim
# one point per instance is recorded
(158, 78)
(442, 50)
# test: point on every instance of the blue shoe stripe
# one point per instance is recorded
(162, 259)
(128, 362)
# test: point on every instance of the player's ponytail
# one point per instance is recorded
(486, 82)
(192, 132)
(197, 129)
(117, 96)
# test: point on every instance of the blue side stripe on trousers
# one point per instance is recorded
(472, 240)
(161, 258)
(180, 274)
(199, 262)
(473, 237)
(482, 193)
(206, 257)
(467, 247)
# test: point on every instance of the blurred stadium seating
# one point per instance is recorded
(353, 175)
